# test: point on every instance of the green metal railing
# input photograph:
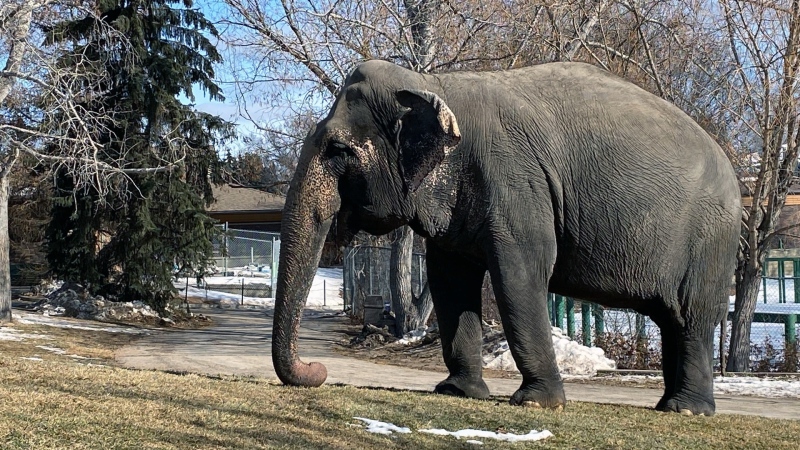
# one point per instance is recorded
(561, 311)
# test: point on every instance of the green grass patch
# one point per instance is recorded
(63, 403)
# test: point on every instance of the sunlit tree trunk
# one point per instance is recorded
(5, 263)
(411, 312)
(748, 277)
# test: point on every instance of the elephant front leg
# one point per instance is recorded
(520, 281)
(456, 291)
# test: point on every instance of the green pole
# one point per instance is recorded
(586, 323)
(796, 278)
(764, 278)
(599, 323)
(571, 317)
(560, 311)
(790, 323)
(781, 281)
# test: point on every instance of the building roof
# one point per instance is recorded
(230, 198)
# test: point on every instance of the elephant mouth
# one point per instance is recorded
(373, 222)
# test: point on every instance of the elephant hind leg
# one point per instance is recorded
(688, 346)
(669, 358)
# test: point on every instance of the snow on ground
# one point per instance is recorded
(61, 323)
(325, 290)
(769, 387)
(533, 435)
(10, 334)
(760, 387)
(572, 358)
(376, 426)
(56, 350)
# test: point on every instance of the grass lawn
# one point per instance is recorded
(62, 402)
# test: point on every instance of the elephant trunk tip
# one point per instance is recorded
(302, 374)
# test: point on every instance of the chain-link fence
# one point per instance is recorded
(631, 339)
(367, 272)
(245, 261)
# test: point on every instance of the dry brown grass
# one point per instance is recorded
(63, 403)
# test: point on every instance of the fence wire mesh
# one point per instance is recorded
(631, 339)
(245, 261)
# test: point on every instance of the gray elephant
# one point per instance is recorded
(559, 177)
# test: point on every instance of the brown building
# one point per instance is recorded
(244, 208)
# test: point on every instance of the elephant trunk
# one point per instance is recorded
(311, 202)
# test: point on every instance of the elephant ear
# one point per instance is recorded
(425, 131)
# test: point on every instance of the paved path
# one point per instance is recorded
(238, 344)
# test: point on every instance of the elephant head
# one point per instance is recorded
(365, 162)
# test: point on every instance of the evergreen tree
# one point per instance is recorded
(128, 243)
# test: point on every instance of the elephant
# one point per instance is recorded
(559, 177)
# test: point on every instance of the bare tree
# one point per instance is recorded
(764, 40)
(42, 107)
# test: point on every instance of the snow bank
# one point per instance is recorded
(572, 358)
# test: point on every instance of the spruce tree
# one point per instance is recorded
(128, 243)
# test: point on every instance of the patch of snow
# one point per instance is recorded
(572, 358)
(60, 323)
(533, 435)
(31, 358)
(325, 291)
(761, 387)
(376, 426)
(10, 334)
(768, 387)
(413, 336)
(56, 350)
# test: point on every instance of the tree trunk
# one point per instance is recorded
(411, 312)
(748, 277)
(5, 263)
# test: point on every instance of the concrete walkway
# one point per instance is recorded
(239, 344)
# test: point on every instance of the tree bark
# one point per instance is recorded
(411, 312)
(748, 277)
(5, 263)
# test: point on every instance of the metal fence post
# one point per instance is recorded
(781, 281)
(790, 332)
(795, 278)
(571, 317)
(225, 249)
(599, 322)
(560, 311)
(586, 323)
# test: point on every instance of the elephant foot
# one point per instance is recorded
(550, 396)
(685, 406)
(463, 387)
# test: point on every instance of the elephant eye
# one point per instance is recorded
(336, 148)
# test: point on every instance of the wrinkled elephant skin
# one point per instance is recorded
(558, 177)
